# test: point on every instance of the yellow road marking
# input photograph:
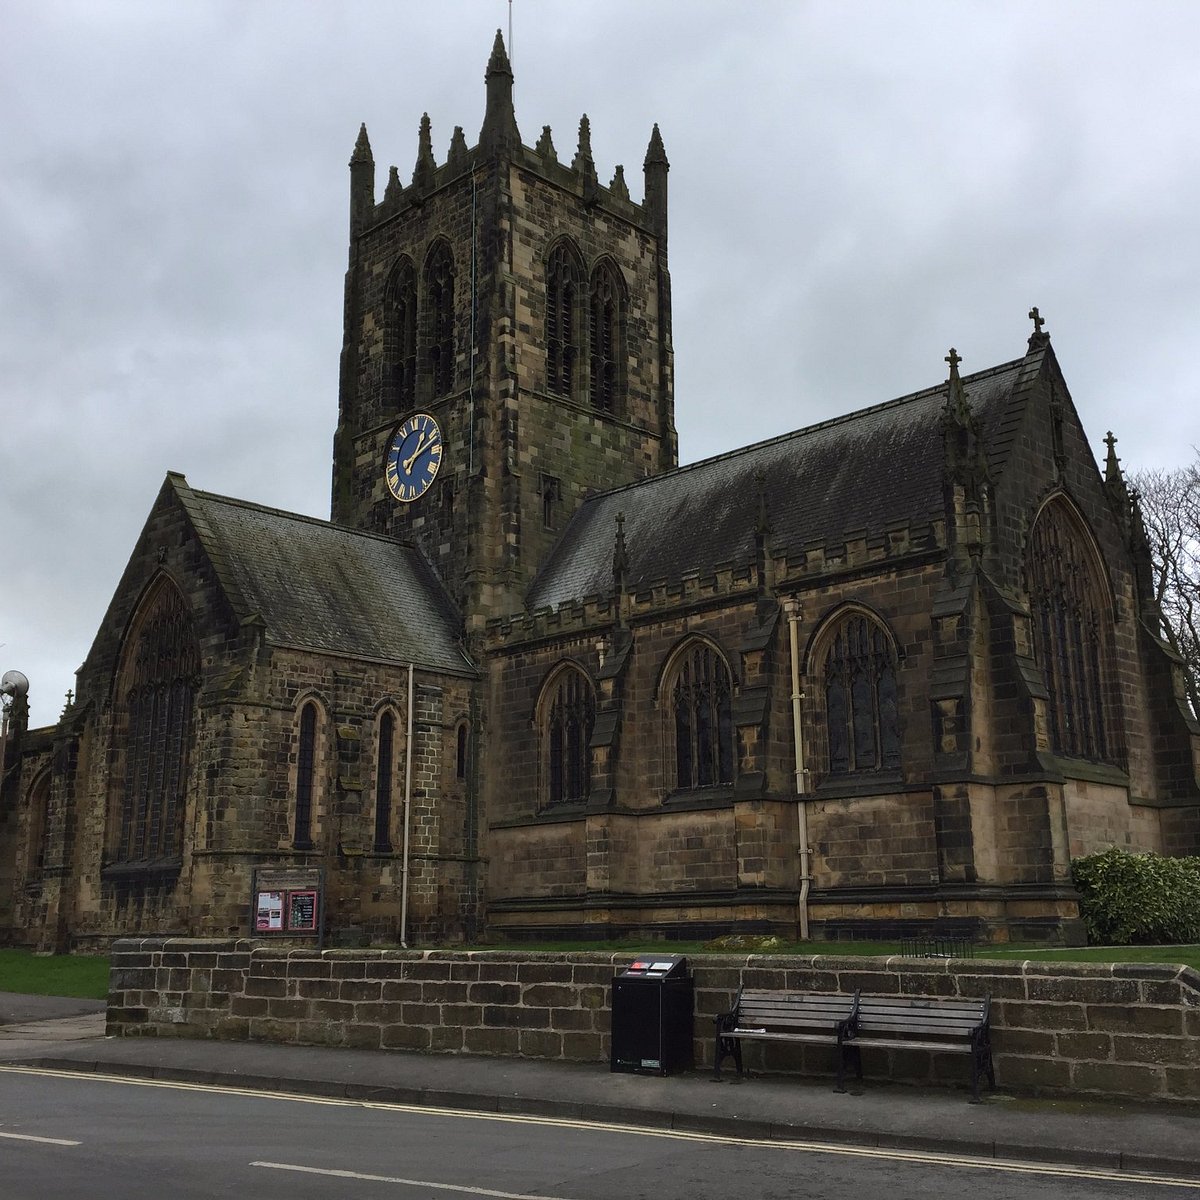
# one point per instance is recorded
(927, 1157)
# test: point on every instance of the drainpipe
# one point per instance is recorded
(792, 608)
(408, 741)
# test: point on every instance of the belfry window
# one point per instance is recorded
(861, 711)
(569, 714)
(700, 696)
(439, 293)
(1072, 628)
(400, 336)
(562, 335)
(306, 776)
(604, 328)
(159, 676)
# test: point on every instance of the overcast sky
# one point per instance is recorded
(854, 188)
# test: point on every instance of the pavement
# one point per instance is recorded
(57, 1034)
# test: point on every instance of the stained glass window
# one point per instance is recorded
(702, 718)
(861, 710)
(570, 715)
(562, 299)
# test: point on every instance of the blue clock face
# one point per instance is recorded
(413, 458)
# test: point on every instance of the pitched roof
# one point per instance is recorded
(321, 586)
(859, 474)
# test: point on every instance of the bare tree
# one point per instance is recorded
(1170, 506)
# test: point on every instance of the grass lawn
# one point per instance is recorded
(54, 975)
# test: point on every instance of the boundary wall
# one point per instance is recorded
(1104, 1029)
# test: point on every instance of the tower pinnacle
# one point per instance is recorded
(499, 119)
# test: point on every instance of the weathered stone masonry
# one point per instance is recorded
(1120, 1029)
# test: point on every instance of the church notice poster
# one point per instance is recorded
(287, 902)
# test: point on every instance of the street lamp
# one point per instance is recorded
(13, 686)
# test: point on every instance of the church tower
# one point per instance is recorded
(526, 307)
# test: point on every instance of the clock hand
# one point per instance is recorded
(412, 458)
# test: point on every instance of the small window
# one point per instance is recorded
(551, 492)
(460, 758)
(306, 770)
(400, 336)
(383, 783)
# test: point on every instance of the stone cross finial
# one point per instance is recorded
(953, 358)
(1110, 441)
(1037, 319)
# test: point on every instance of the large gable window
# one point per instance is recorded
(699, 690)
(568, 712)
(1072, 628)
(858, 673)
(158, 678)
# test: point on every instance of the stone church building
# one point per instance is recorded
(886, 674)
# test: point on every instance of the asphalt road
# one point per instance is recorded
(81, 1138)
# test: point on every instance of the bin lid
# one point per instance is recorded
(656, 966)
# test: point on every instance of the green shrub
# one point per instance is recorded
(1129, 898)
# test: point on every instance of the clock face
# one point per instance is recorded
(413, 458)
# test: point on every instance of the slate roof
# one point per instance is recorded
(863, 473)
(321, 586)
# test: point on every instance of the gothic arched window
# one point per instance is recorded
(1072, 628)
(460, 753)
(400, 336)
(859, 682)
(439, 295)
(384, 773)
(562, 320)
(159, 674)
(604, 329)
(39, 808)
(306, 777)
(568, 713)
(699, 692)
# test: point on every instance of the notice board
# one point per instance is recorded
(288, 902)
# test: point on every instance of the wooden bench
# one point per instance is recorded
(772, 1016)
(948, 1026)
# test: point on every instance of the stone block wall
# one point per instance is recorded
(1120, 1029)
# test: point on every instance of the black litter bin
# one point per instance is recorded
(652, 1016)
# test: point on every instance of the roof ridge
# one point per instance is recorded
(828, 423)
(295, 516)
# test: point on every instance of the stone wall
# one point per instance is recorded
(1123, 1029)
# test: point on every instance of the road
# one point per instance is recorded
(79, 1137)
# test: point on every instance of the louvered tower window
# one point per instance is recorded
(604, 317)
(562, 299)
(160, 674)
(439, 293)
(860, 699)
(570, 715)
(401, 336)
(700, 701)
(1072, 628)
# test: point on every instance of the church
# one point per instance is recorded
(884, 675)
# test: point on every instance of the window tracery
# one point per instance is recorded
(570, 713)
(1071, 632)
(861, 710)
(160, 675)
(700, 695)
